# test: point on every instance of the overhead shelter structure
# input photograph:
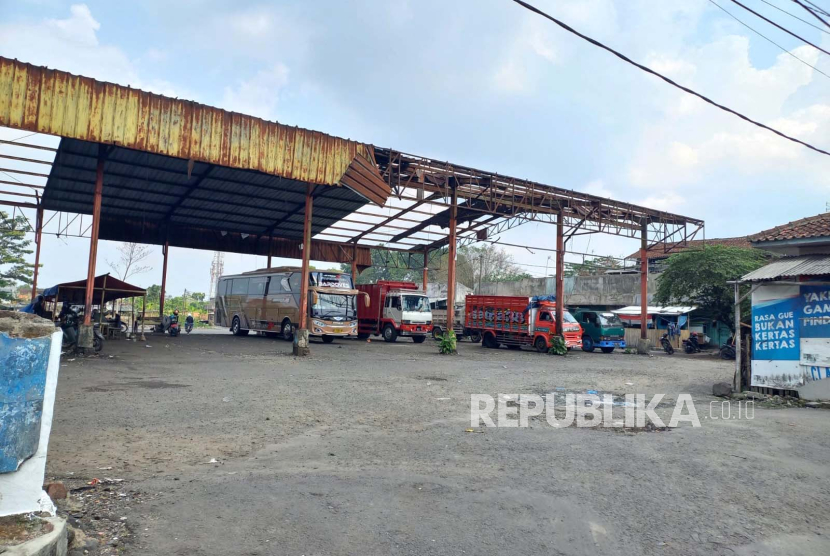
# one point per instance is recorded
(172, 172)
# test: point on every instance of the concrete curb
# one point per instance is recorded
(50, 544)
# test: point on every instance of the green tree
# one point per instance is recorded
(14, 270)
(700, 277)
(390, 265)
(592, 267)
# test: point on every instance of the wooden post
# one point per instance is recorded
(103, 292)
(355, 271)
(309, 202)
(143, 311)
(451, 261)
(57, 300)
(268, 264)
(426, 268)
(560, 273)
(644, 280)
(165, 249)
(93, 237)
(38, 238)
(737, 382)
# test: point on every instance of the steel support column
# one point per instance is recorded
(38, 239)
(93, 237)
(426, 268)
(268, 264)
(644, 281)
(737, 383)
(309, 201)
(452, 256)
(560, 274)
(165, 249)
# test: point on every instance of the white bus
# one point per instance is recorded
(268, 301)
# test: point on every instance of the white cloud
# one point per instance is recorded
(259, 95)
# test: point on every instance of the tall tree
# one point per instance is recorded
(14, 270)
(130, 257)
(390, 265)
(488, 263)
(700, 277)
(592, 267)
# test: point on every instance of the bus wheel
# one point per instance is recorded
(328, 339)
(236, 328)
(419, 339)
(437, 333)
(287, 331)
(540, 344)
(389, 333)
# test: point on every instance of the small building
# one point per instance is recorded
(791, 309)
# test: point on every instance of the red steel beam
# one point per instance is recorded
(309, 201)
(644, 281)
(451, 261)
(93, 237)
(165, 249)
(560, 274)
(38, 239)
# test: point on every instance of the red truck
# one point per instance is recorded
(517, 321)
(394, 309)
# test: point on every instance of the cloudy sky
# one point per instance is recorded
(482, 83)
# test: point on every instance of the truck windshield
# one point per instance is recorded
(610, 320)
(416, 303)
(567, 317)
(330, 306)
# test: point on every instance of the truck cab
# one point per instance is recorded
(396, 309)
(600, 329)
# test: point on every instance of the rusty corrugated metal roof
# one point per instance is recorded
(791, 267)
(58, 103)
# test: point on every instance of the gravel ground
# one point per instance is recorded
(361, 448)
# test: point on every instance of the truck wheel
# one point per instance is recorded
(389, 333)
(419, 339)
(607, 349)
(540, 344)
(287, 331)
(328, 339)
(489, 341)
(587, 343)
(437, 333)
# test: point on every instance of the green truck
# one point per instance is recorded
(600, 329)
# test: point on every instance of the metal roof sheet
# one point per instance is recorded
(791, 267)
(58, 103)
(673, 310)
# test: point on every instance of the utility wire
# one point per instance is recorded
(664, 78)
(767, 38)
(802, 39)
(771, 5)
(812, 13)
(818, 8)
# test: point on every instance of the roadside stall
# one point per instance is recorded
(108, 289)
(657, 323)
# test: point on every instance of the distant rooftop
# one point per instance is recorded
(663, 250)
(806, 228)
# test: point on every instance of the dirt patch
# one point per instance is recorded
(432, 378)
(123, 386)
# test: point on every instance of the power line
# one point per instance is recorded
(666, 79)
(795, 16)
(767, 38)
(818, 8)
(812, 13)
(802, 39)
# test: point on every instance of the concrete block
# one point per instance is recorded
(301, 343)
(53, 543)
(85, 336)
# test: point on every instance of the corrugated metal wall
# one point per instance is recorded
(58, 103)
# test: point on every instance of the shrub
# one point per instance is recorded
(557, 346)
(447, 343)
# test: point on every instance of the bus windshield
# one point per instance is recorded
(416, 303)
(330, 306)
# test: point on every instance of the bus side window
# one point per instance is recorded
(294, 282)
(240, 286)
(285, 286)
(256, 287)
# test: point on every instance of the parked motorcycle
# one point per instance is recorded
(691, 345)
(69, 323)
(173, 327)
(188, 324)
(666, 343)
(727, 350)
